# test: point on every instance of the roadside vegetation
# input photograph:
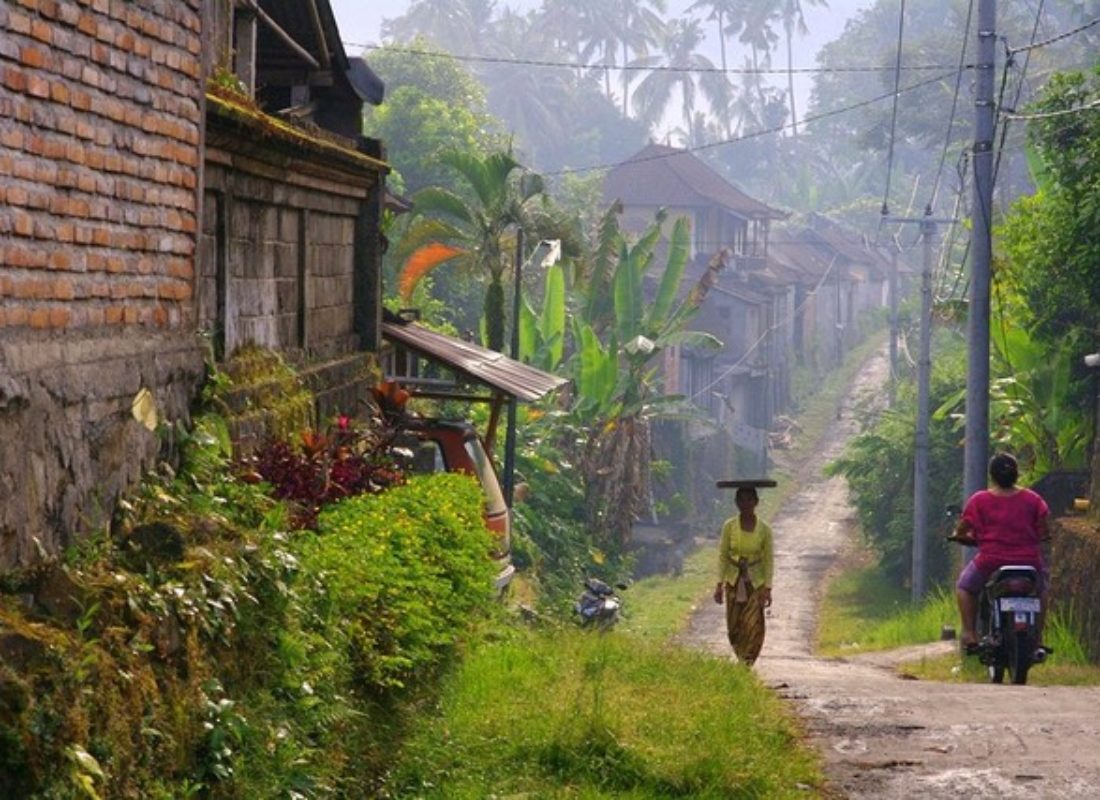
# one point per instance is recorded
(556, 712)
(864, 610)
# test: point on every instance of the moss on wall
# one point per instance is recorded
(261, 396)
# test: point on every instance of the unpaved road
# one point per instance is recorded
(883, 736)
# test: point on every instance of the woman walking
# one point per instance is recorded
(745, 566)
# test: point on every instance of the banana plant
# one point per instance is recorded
(617, 340)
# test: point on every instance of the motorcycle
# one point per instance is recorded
(1008, 621)
(599, 605)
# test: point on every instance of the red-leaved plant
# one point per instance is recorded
(325, 467)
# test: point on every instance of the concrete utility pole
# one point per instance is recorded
(893, 320)
(924, 383)
(976, 452)
(919, 575)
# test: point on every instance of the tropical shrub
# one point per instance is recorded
(346, 460)
(400, 573)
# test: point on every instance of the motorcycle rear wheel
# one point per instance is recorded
(1020, 650)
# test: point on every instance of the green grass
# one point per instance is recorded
(563, 713)
(862, 611)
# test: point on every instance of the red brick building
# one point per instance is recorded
(109, 232)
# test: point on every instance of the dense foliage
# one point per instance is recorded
(200, 650)
(1052, 238)
(878, 465)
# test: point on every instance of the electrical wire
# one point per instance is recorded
(954, 108)
(1050, 114)
(757, 134)
(529, 62)
(894, 113)
(1053, 39)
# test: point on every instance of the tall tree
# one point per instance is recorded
(755, 27)
(611, 27)
(457, 25)
(794, 21)
(434, 105)
(680, 62)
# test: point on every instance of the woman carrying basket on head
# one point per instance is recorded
(745, 567)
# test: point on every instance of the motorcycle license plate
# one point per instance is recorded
(1020, 604)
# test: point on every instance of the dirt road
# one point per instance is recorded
(882, 736)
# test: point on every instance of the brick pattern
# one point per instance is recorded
(100, 120)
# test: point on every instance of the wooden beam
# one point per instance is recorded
(287, 39)
(314, 14)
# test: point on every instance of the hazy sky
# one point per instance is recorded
(360, 22)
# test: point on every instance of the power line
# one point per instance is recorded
(526, 62)
(1048, 114)
(894, 113)
(1036, 45)
(954, 107)
(764, 132)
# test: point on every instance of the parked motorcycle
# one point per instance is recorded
(1008, 621)
(599, 605)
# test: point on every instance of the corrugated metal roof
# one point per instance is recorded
(478, 363)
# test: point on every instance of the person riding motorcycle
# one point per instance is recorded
(1008, 525)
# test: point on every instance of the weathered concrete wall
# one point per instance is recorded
(289, 253)
(100, 136)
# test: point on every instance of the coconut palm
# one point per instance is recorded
(473, 230)
(724, 13)
(457, 25)
(756, 28)
(794, 20)
(680, 61)
(613, 26)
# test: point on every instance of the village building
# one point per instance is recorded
(150, 221)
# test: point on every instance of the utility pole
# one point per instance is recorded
(976, 450)
(893, 320)
(924, 382)
(919, 574)
(510, 429)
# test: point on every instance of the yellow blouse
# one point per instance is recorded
(754, 546)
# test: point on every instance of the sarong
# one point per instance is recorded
(745, 623)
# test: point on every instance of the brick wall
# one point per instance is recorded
(101, 105)
(100, 120)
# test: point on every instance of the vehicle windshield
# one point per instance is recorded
(494, 497)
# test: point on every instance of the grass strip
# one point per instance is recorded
(564, 713)
(863, 612)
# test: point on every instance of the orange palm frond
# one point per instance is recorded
(420, 263)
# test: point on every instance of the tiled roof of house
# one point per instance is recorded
(659, 175)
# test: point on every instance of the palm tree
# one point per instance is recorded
(755, 28)
(609, 26)
(459, 26)
(721, 11)
(531, 99)
(680, 61)
(473, 230)
(794, 19)
(642, 27)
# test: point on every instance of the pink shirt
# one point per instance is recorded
(1006, 526)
